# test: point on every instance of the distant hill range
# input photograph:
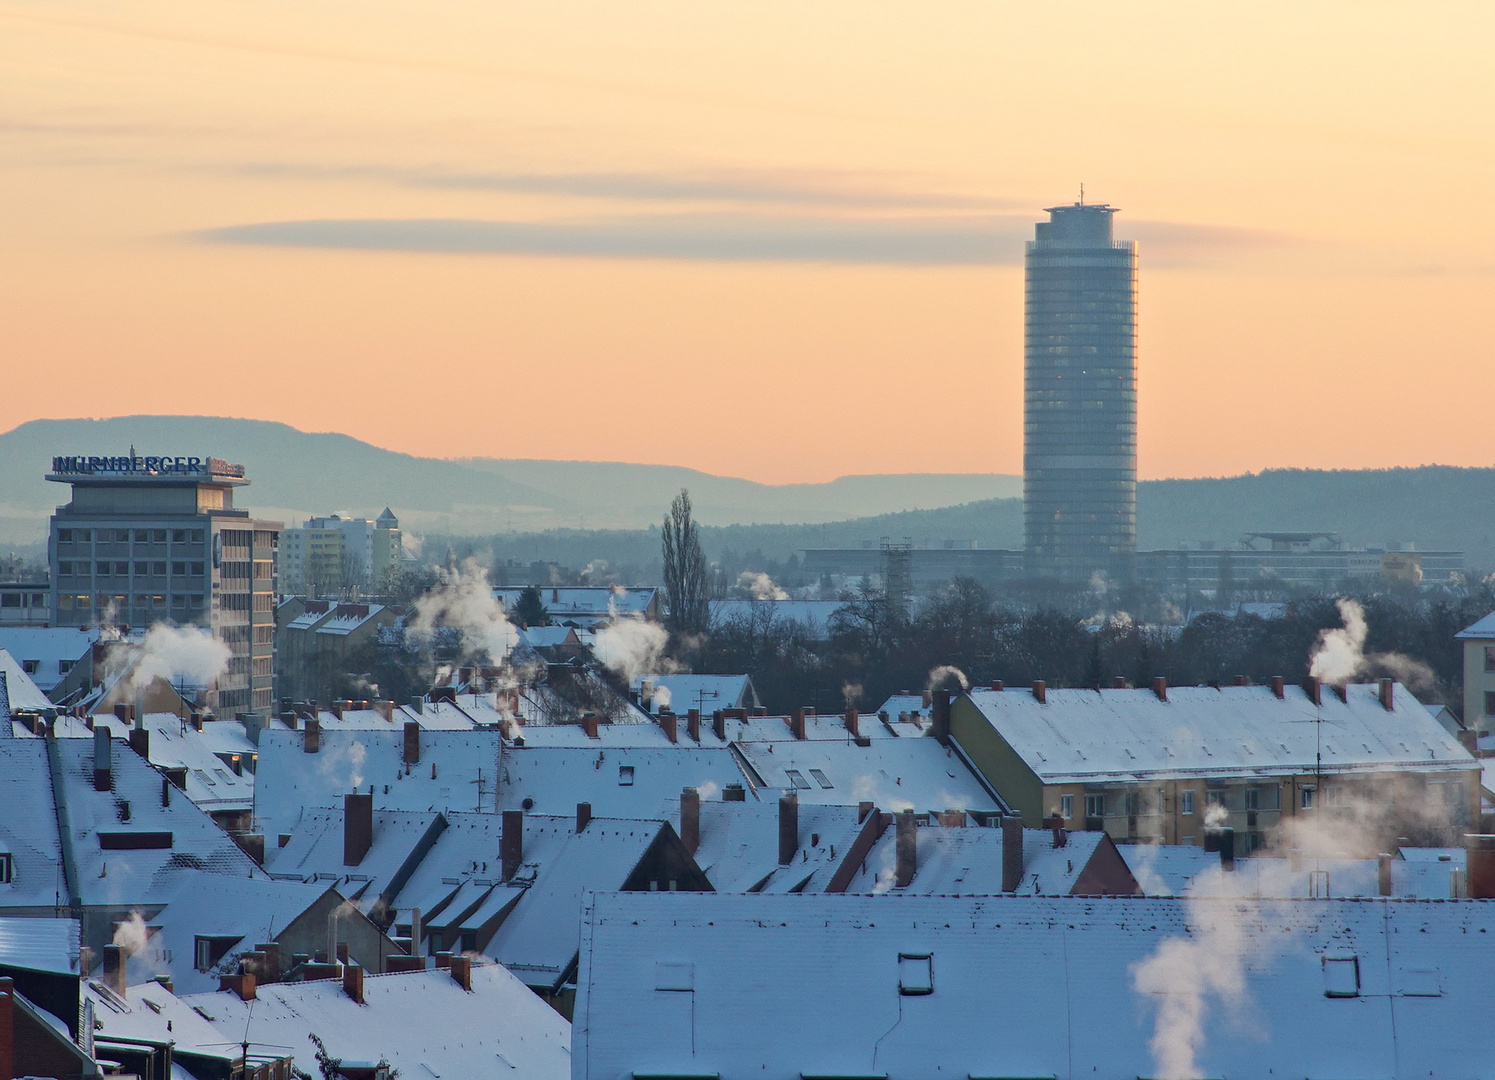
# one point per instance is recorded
(295, 474)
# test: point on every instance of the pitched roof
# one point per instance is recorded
(315, 851)
(21, 692)
(810, 985)
(1090, 735)
(739, 846)
(1165, 870)
(705, 692)
(49, 646)
(1483, 628)
(39, 944)
(625, 781)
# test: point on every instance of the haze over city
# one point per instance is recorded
(414, 225)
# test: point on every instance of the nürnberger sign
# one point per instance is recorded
(144, 466)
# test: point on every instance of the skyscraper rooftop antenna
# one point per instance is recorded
(1082, 193)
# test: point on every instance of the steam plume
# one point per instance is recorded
(1339, 654)
(946, 677)
(188, 654)
(633, 646)
(760, 586)
(132, 935)
(463, 601)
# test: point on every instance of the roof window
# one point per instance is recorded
(1341, 976)
(625, 775)
(915, 974)
(821, 779)
(797, 778)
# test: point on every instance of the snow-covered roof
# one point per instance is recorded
(39, 944)
(598, 601)
(897, 774)
(150, 1013)
(1171, 870)
(457, 770)
(346, 618)
(50, 646)
(708, 693)
(739, 846)
(128, 848)
(209, 906)
(813, 615)
(548, 637)
(316, 849)
(822, 727)
(618, 780)
(809, 985)
(21, 692)
(1090, 735)
(422, 1022)
(1484, 628)
(967, 861)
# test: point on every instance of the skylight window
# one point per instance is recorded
(797, 778)
(625, 776)
(1341, 976)
(915, 974)
(821, 778)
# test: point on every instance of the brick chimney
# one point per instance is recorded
(1383, 874)
(905, 848)
(788, 827)
(669, 723)
(583, 815)
(511, 843)
(412, 742)
(998, 686)
(358, 827)
(589, 724)
(1118, 683)
(693, 724)
(461, 970)
(1314, 689)
(1160, 688)
(1241, 680)
(939, 716)
(114, 969)
(1479, 876)
(926, 700)
(270, 964)
(353, 982)
(1012, 853)
(690, 819)
(719, 724)
(734, 793)
(312, 736)
(140, 742)
(1278, 685)
(1056, 824)
(103, 759)
(1040, 692)
(1386, 690)
(797, 723)
(242, 984)
(863, 809)
(853, 723)
(386, 709)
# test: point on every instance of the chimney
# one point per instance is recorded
(1040, 692)
(693, 725)
(1479, 876)
(939, 716)
(863, 809)
(1386, 691)
(417, 704)
(853, 723)
(165, 790)
(1314, 689)
(417, 931)
(312, 736)
(353, 982)
(461, 970)
(690, 819)
(788, 827)
(122, 712)
(1227, 848)
(719, 724)
(734, 793)
(241, 984)
(1160, 688)
(998, 686)
(1241, 680)
(1277, 687)
(385, 709)
(140, 742)
(669, 724)
(589, 724)
(342, 953)
(114, 968)
(253, 845)
(270, 964)
(797, 723)
(583, 815)
(339, 707)
(1118, 683)
(511, 842)
(926, 700)
(906, 848)
(412, 742)
(1056, 823)
(1383, 874)
(1012, 853)
(358, 827)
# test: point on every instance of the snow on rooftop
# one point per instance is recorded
(704, 692)
(1173, 870)
(21, 690)
(421, 1022)
(739, 846)
(897, 774)
(457, 770)
(49, 945)
(1021, 986)
(315, 851)
(1081, 735)
(625, 781)
(51, 647)
(1483, 628)
(965, 861)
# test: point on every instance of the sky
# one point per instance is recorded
(779, 240)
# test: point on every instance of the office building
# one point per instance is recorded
(1080, 397)
(158, 539)
(330, 554)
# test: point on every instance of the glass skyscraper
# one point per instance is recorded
(1080, 397)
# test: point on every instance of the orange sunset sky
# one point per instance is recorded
(774, 240)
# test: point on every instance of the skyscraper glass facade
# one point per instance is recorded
(1080, 398)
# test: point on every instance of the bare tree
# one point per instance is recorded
(686, 579)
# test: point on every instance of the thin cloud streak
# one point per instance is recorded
(967, 240)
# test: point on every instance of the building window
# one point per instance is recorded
(179, 569)
(159, 536)
(210, 950)
(178, 536)
(85, 535)
(197, 569)
(103, 569)
(7, 867)
(65, 536)
(1186, 801)
(64, 666)
(64, 568)
(142, 568)
(122, 569)
(1133, 803)
(1095, 806)
(1490, 702)
(1341, 976)
(30, 666)
(1066, 806)
(1253, 799)
(142, 536)
(915, 974)
(796, 778)
(1215, 798)
(158, 568)
(625, 775)
(1307, 798)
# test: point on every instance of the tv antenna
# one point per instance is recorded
(1082, 193)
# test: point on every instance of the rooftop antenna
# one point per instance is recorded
(1082, 193)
